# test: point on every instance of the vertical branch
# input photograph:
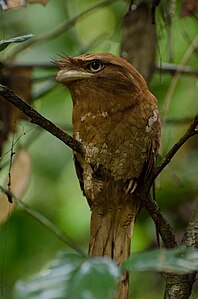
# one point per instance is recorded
(9, 172)
(163, 226)
(177, 286)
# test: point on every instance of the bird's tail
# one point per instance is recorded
(110, 234)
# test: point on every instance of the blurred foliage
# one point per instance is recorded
(178, 260)
(18, 39)
(25, 245)
(72, 276)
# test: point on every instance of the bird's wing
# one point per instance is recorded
(149, 163)
(79, 172)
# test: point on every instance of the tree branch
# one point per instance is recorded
(174, 68)
(39, 120)
(164, 228)
(160, 67)
(192, 130)
(178, 285)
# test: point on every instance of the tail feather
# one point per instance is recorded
(110, 235)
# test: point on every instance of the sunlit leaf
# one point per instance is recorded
(73, 277)
(18, 39)
(179, 260)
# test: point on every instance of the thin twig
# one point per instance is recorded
(12, 153)
(164, 228)
(55, 32)
(38, 119)
(174, 68)
(162, 67)
(192, 130)
(45, 222)
(176, 77)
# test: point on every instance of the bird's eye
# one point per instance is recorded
(95, 66)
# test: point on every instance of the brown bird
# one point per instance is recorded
(116, 119)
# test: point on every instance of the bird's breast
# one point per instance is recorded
(114, 141)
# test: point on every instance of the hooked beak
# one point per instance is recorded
(64, 76)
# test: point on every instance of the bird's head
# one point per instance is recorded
(101, 78)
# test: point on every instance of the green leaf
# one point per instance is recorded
(179, 260)
(18, 39)
(95, 279)
(73, 277)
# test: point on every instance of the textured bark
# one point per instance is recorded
(178, 286)
(139, 39)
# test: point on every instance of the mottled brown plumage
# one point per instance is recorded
(115, 117)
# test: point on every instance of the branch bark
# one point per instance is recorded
(177, 285)
(190, 238)
(39, 120)
(164, 228)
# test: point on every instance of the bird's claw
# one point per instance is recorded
(131, 186)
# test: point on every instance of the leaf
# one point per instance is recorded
(95, 279)
(18, 39)
(179, 260)
(73, 277)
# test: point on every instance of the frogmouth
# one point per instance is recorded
(116, 119)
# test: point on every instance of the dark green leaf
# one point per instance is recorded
(73, 277)
(18, 39)
(179, 260)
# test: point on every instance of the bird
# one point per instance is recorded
(115, 117)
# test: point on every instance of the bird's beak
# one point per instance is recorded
(64, 76)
